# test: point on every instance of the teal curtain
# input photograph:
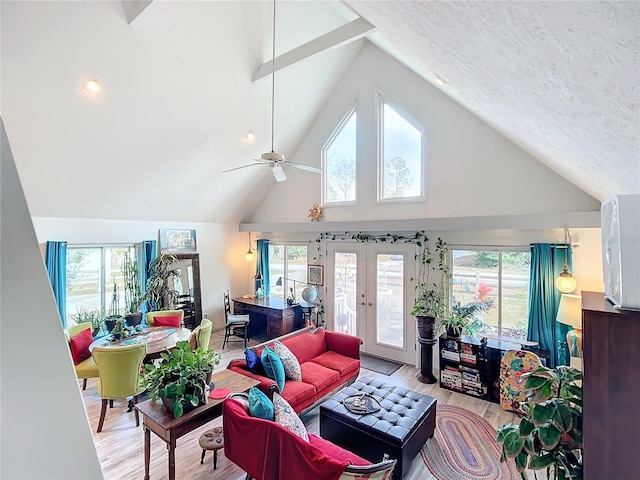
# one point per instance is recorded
(262, 265)
(547, 262)
(148, 254)
(56, 261)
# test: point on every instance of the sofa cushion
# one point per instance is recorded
(253, 361)
(318, 376)
(346, 366)
(273, 367)
(307, 345)
(288, 418)
(289, 361)
(80, 346)
(259, 405)
(297, 392)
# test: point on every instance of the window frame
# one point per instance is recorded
(489, 248)
(324, 161)
(287, 282)
(381, 100)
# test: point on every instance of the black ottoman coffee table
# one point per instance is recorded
(403, 424)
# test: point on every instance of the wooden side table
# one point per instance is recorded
(159, 420)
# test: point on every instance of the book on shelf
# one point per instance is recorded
(451, 345)
(469, 358)
(467, 383)
(453, 356)
(470, 377)
(467, 369)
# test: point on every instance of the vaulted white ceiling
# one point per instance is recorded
(560, 79)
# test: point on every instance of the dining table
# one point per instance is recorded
(157, 339)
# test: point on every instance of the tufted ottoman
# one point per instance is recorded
(400, 428)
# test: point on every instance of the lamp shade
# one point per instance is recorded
(570, 311)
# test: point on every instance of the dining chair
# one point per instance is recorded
(119, 369)
(164, 313)
(235, 325)
(86, 366)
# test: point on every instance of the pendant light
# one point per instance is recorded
(565, 281)
(249, 256)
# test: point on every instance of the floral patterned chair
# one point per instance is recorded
(513, 365)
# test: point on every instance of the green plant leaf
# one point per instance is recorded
(549, 435)
(543, 412)
(526, 427)
(503, 430)
(513, 443)
(177, 409)
(529, 446)
(539, 462)
(521, 461)
(562, 417)
(534, 382)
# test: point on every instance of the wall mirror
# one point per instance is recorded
(188, 287)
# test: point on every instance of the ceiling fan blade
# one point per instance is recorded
(278, 172)
(305, 167)
(238, 168)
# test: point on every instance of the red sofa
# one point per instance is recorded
(266, 450)
(328, 361)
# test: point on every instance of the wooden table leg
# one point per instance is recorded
(147, 452)
(172, 458)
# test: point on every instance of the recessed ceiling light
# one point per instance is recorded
(250, 136)
(92, 85)
(441, 81)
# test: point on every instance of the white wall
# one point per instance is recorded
(472, 170)
(221, 248)
(45, 432)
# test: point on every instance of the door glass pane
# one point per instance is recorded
(390, 300)
(83, 280)
(344, 295)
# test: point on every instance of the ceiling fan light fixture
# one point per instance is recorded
(278, 172)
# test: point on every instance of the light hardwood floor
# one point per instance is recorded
(120, 444)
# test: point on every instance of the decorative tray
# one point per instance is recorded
(361, 404)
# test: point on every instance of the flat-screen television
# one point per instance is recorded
(620, 221)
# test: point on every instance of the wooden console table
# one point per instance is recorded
(280, 318)
(159, 420)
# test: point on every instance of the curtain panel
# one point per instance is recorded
(262, 265)
(56, 261)
(547, 262)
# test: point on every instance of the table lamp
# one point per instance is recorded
(570, 313)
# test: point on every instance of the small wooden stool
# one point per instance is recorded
(211, 440)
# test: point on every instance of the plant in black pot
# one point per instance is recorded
(463, 319)
(180, 377)
(431, 297)
(159, 293)
(91, 315)
(133, 314)
(113, 317)
(549, 437)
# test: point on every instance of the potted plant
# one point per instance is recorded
(431, 298)
(133, 314)
(119, 329)
(462, 319)
(180, 377)
(550, 434)
(92, 315)
(159, 293)
(114, 310)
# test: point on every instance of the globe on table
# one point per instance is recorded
(309, 294)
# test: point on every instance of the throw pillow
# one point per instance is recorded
(167, 321)
(253, 360)
(80, 346)
(289, 361)
(273, 367)
(288, 418)
(259, 404)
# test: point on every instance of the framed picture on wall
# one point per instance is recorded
(315, 275)
(177, 241)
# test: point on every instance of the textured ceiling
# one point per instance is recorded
(560, 79)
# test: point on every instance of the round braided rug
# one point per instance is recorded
(464, 447)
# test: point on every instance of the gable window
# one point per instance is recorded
(496, 276)
(92, 273)
(287, 270)
(339, 160)
(401, 158)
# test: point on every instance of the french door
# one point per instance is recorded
(369, 294)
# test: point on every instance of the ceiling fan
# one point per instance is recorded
(273, 159)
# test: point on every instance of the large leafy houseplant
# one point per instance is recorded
(160, 294)
(92, 315)
(462, 319)
(550, 434)
(431, 297)
(180, 377)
